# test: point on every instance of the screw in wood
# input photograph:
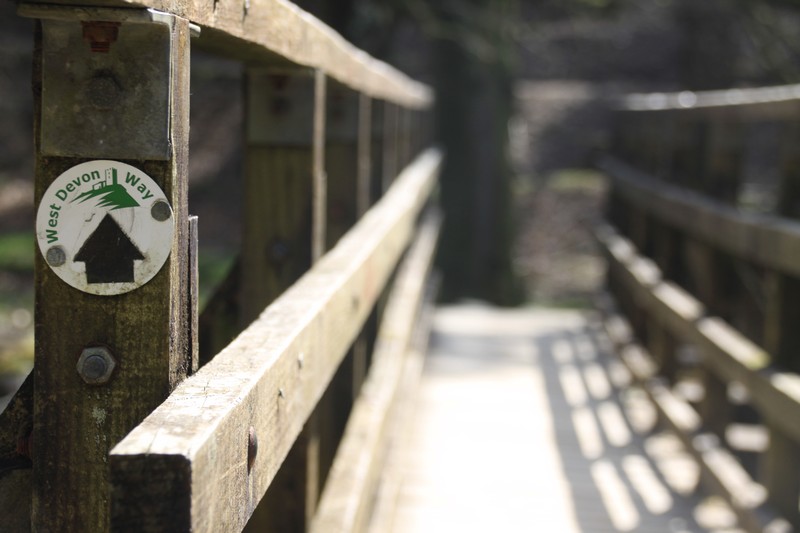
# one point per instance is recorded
(252, 447)
(55, 256)
(160, 211)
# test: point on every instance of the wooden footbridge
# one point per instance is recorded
(306, 396)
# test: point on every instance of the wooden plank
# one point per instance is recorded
(267, 30)
(346, 501)
(770, 242)
(269, 378)
(765, 103)
(146, 330)
(393, 473)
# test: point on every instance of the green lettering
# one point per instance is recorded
(132, 179)
(52, 236)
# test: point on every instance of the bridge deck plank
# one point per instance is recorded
(525, 422)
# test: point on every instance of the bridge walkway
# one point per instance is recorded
(525, 421)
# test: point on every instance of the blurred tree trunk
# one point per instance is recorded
(710, 52)
(474, 77)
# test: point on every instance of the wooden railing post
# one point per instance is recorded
(779, 473)
(390, 159)
(782, 291)
(285, 223)
(106, 92)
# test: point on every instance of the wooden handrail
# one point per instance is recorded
(731, 357)
(187, 463)
(773, 102)
(268, 32)
(768, 241)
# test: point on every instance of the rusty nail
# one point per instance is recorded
(252, 447)
(100, 35)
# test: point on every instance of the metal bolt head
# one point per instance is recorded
(55, 256)
(160, 211)
(95, 365)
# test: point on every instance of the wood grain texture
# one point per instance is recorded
(346, 501)
(270, 378)
(770, 242)
(75, 425)
(268, 28)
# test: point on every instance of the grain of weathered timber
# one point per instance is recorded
(768, 241)
(346, 501)
(720, 469)
(726, 352)
(271, 376)
(271, 29)
(75, 425)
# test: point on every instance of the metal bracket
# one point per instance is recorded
(105, 81)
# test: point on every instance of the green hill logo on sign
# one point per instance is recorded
(104, 227)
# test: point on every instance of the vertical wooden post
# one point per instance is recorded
(365, 144)
(390, 144)
(284, 233)
(284, 183)
(781, 338)
(146, 331)
(342, 163)
(779, 473)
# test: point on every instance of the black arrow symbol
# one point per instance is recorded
(109, 254)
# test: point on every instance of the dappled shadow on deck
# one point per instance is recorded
(525, 422)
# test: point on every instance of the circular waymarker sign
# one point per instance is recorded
(105, 227)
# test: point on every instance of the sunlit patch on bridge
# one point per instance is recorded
(526, 421)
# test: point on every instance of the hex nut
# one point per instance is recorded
(95, 365)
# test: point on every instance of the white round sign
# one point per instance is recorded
(105, 227)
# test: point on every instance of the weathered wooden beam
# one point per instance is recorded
(270, 30)
(269, 379)
(763, 103)
(126, 98)
(768, 241)
(346, 501)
